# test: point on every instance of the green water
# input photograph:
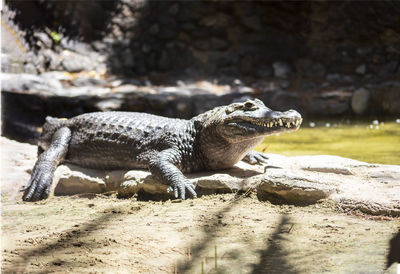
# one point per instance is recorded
(377, 142)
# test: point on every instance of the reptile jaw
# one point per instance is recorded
(272, 124)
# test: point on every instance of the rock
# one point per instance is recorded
(5, 62)
(154, 29)
(219, 44)
(52, 60)
(164, 61)
(334, 77)
(371, 188)
(109, 104)
(17, 159)
(294, 187)
(351, 184)
(235, 34)
(136, 181)
(77, 47)
(73, 62)
(308, 68)
(361, 69)
(246, 64)
(88, 81)
(21, 83)
(127, 58)
(73, 180)
(216, 20)
(336, 102)
(264, 71)
(360, 100)
(57, 75)
(389, 68)
(252, 22)
(30, 68)
(202, 44)
(282, 69)
(44, 39)
(347, 79)
(174, 9)
(283, 100)
(386, 97)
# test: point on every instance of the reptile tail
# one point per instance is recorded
(49, 128)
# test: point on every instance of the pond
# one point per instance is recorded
(370, 141)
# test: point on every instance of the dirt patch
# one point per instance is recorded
(217, 233)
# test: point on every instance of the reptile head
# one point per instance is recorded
(252, 119)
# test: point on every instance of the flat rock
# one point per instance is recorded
(351, 184)
(371, 188)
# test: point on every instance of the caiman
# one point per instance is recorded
(216, 139)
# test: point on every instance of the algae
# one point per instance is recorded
(374, 142)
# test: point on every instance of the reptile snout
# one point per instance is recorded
(292, 114)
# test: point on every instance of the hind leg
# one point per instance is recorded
(38, 187)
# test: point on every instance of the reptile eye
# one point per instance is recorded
(249, 105)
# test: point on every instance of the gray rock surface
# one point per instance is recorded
(21, 83)
(370, 188)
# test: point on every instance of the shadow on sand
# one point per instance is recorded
(65, 238)
(272, 259)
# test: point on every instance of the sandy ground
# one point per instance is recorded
(212, 234)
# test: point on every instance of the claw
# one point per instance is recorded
(254, 157)
(176, 193)
(180, 190)
(38, 187)
(23, 188)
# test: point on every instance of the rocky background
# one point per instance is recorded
(178, 58)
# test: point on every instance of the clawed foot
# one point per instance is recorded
(38, 187)
(181, 187)
(254, 157)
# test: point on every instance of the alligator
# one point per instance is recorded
(168, 147)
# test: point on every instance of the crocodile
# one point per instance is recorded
(168, 147)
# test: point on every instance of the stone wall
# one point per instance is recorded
(216, 39)
(320, 58)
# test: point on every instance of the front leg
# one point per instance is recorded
(255, 157)
(163, 168)
(38, 187)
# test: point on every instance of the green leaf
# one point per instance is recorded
(56, 36)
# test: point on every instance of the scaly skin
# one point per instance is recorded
(216, 139)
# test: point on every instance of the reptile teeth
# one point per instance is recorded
(280, 122)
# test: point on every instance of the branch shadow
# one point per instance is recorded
(69, 236)
(210, 230)
(273, 259)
